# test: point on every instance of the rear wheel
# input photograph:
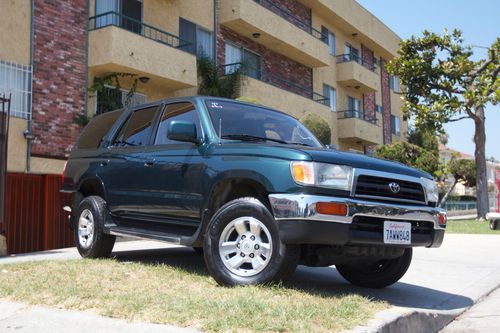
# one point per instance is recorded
(242, 246)
(91, 241)
(379, 274)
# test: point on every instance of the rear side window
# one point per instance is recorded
(98, 127)
(137, 129)
(178, 111)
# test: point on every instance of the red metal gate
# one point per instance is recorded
(33, 215)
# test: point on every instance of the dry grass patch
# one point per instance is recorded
(171, 295)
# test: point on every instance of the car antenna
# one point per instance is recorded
(220, 130)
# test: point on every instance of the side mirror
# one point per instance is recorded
(182, 131)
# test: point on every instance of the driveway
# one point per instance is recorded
(440, 284)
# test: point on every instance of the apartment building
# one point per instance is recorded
(323, 57)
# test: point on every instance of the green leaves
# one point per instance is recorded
(319, 127)
(215, 83)
(442, 81)
(464, 171)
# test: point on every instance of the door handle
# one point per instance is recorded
(149, 163)
(104, 163)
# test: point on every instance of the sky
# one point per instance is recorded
(479, 21)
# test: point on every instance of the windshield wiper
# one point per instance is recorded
(247, 137)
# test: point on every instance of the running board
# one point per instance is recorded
(144, 234)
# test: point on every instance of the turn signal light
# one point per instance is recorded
(442, 219)
(303, 172)
(331, 208)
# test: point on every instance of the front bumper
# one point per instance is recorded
(300, 223)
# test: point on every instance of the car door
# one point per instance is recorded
(177, 168)
(124, 165)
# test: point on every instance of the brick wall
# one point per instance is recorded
(300, 15)
(368, 98)
(58, 74)
(386, 103)
(272, 63)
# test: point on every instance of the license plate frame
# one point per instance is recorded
(397, 233)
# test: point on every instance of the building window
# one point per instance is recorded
(126, 14)
(351, 53)
(328, 37)
(395, 125)
(201, 40)
(15, 79)
(237, 56)
(111, 99)
(394, 83)
(354, 104)
(379, 108)
(331, 94)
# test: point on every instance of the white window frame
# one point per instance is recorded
(331, 43)
(16, 80)
(332, 97)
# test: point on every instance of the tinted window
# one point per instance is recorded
(98, 127)
(178, 112)
(137, 129)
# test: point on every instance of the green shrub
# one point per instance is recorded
(319, 127)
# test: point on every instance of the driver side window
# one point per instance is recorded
(178, 112)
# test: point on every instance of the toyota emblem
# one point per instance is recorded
(394, 187)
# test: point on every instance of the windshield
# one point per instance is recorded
(238, 121)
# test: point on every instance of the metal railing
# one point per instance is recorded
(274, 80)
(347, 114)
(292, 18)
(135, 26)
(356, 58)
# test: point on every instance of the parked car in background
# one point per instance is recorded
(252, 188)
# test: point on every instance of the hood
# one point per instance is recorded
(363, 162)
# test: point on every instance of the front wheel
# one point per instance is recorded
(242, 246)
(379, 274)
(493, 224)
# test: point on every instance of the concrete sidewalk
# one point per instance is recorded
(18, 317)
(483, 317)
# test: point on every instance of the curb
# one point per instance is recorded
(397, 319)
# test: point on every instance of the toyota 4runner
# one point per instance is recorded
(251, 188)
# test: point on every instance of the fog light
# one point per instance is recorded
(442, 219)
(331, 208)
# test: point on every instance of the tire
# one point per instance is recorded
(90, 239)
(378, 275)
(252, 252)
(493, 224)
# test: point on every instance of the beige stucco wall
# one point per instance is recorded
(46, 165)
(15, 18)
(247, 17)
(16, 158)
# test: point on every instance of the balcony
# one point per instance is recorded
(355, 126)
(353, 72)
(277, 29)
(118, 43)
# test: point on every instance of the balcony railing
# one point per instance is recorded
(347, 114)
(274, 80)
(356, 58)
(135, 26)
(292, 18)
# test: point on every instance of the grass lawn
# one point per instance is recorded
(470, 227)
(168, 294)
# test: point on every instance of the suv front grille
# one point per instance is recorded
(379, 187)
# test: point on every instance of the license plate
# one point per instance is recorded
(397, 232)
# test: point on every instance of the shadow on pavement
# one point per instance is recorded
(321, 281)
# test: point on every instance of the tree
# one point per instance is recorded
(444, 84)
(411, 155)
(464, 172)
(215, 83)
(319, 127)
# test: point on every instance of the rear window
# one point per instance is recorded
(96, 129)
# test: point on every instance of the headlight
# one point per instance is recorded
(323, 175)
(430, 189)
